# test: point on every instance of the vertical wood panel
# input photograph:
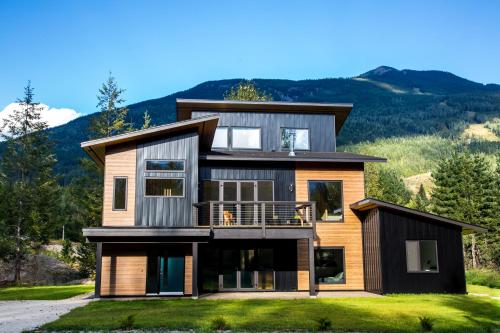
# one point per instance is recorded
(302, 264)
(371, 252)
(347, 234)
(119, 161)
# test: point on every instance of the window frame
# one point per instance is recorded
(342, 220)
(228, 137)
(167, 160)
(231, 137)
(344, 278)
(114, 193)
(419, 256)
(295, 128)
(164, 196)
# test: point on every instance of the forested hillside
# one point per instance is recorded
(387, 103)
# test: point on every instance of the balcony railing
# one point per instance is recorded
(254, 214)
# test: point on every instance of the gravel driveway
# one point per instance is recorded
(17, 316)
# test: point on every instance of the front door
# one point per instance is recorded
(171, 274)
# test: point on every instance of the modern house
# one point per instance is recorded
(253, 196)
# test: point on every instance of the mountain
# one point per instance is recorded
(387, 103)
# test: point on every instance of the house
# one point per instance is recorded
(253, 196)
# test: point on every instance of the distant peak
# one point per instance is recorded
(381, 70)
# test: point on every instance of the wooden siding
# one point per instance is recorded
(123, 272)
(395, 229)
(188, 273)
(347, 234)
(120, 162)
(303, 264)
(321, 126)
(283, 174)
(371, 252)
(163, 211)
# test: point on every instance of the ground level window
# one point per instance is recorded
(165, 187)
(421, 256)
(329, 265)
(328, 198)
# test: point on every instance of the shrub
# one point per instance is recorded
(324, 324)
(219, 324)
(426, 323)
(483, 277)
(127, 323)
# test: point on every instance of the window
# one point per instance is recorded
(300, 138)
(328, 198)
(165, 187)
(421, 256)
(329, 265)
(120, 193)
(164, 165)
(246, 138)
(221, 138)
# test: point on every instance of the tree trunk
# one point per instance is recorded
(473, 250)
(18, 258)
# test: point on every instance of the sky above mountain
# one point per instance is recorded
(155, 48)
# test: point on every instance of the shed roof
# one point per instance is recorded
(369, 203)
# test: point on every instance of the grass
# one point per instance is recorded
(397, 313)
(483, 277)
(472, 288)
(43, 292)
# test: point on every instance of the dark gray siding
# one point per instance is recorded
(168, 212)
(395, 229)
(283, 175)
(321, 126)
(371, 252)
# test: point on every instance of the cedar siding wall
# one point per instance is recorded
(321, 126)
(163, 211)
(123, 270)
(347, 234)
(120, 162)
(395, 229)
(371, 252)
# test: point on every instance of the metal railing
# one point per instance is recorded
(254, 213)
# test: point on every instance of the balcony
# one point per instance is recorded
(262, 218)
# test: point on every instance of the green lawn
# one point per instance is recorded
(43, 292)
(471, 288)
(398, 313)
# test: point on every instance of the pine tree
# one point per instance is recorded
(246, 91)
(421, 200)
(387, 185)
(28, 185)
(146, 120)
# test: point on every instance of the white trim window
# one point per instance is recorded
(164, 187)
(421, 256)
(165, 165)
(221, 138)
(246, 137)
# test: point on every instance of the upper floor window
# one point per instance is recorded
(120, 193)
(328, 198)
(164, 187)
(221, 138)
(246, 138)
(421, 256)
(296, 137)
(165, 165)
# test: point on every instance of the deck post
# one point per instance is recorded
(194, 279)
(98, 268)
(312, 284)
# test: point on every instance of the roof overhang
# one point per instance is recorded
(204, 126)
(337, 157)
(144, 234)
(369, 203)
(185, 107)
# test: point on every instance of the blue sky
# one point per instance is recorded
(155, 48)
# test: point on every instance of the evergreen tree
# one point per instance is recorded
(146, 120)
(387, 185)
(246, 91)
(29, 188)
(421, 200)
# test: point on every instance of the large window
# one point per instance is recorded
(165, 187)
(165, 165)
(328, 198)
(221, 138)
(119, 193)
(329, 265)
(297, 137)
(421, 256)
(246, 138)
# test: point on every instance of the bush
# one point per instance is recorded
(219, 324)
(426, 324)
(324, 324)
(483, 277)
(127, 323)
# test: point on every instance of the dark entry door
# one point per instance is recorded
(165, 273)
